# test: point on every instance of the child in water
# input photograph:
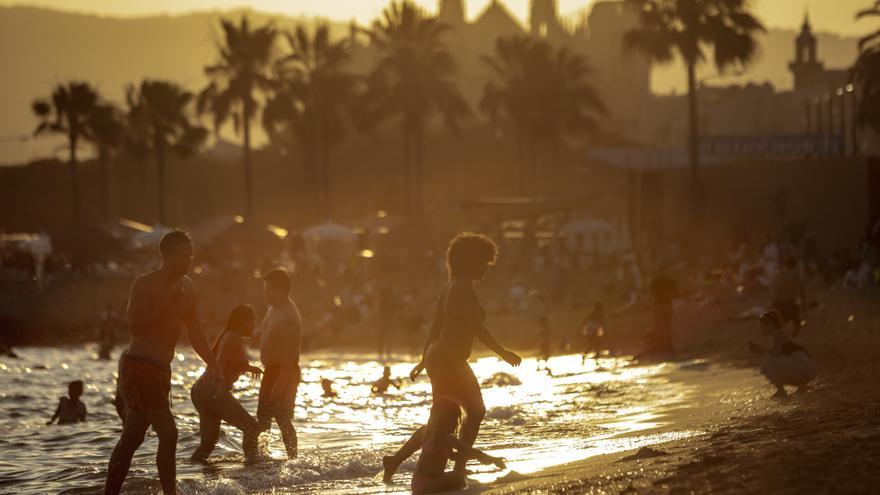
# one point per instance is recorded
(70, 410)
(440, 445)
(381, 385)
(785, 362)
(327, 387)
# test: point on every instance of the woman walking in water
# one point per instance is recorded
(215, 404)
(458, 319)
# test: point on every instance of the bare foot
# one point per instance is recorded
(390, 466)
(780, 393)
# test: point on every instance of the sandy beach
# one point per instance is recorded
(822, 441)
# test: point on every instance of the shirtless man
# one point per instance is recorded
(280, 337)
(159, 303)
(787, 288)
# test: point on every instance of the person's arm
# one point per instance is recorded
(465, 452)
(197, 338)
(83, 412)
(473, 318)
(55, 415)
(433, 334)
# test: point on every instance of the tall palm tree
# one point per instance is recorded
(314, 101)
(161, 121)
(414, 79)
(546, 94)
(238, 80)
(106, 132)
(68, 113)
(688, 28)
(867, 72)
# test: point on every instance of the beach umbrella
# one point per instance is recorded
(330, 232)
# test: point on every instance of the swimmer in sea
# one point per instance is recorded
(215, 402)
(458, 320)
(327, 387)
(70, 409)
(381, 385)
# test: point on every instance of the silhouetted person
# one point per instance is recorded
(458, 319)
(787, 289)
(159, 303)
(381, 385)
(784, 362)
(280, 337)
(663, 290)
(214, 401)
(107, 333)
(70, 409)
(440, 445)
(594, 330)
(544, 342)
(327, 387)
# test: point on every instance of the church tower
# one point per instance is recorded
(451, 11)
(543, 19)
(806, 67)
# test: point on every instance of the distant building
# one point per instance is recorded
(810, 74)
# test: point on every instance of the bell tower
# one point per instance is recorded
(806, 66)
(543, 18)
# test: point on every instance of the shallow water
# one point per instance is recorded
(583, 409)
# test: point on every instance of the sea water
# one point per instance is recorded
(579, 409)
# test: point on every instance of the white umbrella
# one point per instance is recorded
(329, 232)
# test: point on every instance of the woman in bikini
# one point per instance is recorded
(458, 319)
(215, 404)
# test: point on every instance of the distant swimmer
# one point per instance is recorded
(280, 337)
(440, 445)
(788, 290)
(785, 362)
(214, 401)
(381, 385)
(70, 409)
(160, 303)
(327, 387)
(594, 331)
(458, 320)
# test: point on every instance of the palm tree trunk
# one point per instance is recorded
(160, 181)
(248, 173)
(106, 203)
(533, 166)
(325, 179)
(74, 179)
(520, 161)
(697, 199)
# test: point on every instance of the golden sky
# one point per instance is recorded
(827, 15)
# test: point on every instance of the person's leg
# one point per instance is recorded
(474, 408)
(133, 430)
(231, 411)
(162, 421)
(283, 414)
(391, 463)
(264, 416)
(209, 431)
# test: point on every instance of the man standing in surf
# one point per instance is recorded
(160, 303)
(280, 337)
(458, 320)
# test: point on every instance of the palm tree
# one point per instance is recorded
(867, 72)
(106, 132)
(161, 120)
(238, 78)
(545, 92)
(313, 101)
(68, 113)
(414, 79)
(687, 28)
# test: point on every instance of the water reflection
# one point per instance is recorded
(584, 409)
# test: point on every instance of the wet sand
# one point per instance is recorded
(824, 441)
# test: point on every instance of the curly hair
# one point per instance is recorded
(469, 254)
